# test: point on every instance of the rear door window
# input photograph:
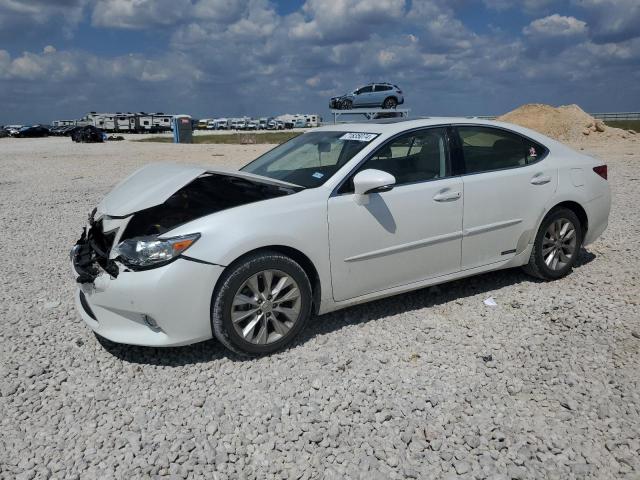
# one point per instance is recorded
(486, 149)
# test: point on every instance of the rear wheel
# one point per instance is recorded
(262, 304)
(556, 247)
(390, 103)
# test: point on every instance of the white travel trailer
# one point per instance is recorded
(125, 122)
(62, 123)
(222, 124)
(310, 119)
(153, 122)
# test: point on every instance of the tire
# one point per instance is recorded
(236, 283)
(537, 266)
(346, 105)
(390, 102)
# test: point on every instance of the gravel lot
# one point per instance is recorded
(433, 384)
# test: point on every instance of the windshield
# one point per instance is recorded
(310, 159)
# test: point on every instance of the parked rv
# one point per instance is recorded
(222, 124)
(153, 122)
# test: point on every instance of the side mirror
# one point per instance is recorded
(373, 181)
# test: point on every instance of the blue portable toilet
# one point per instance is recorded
(182, 128)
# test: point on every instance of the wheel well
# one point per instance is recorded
(391, 96)
(304, 261)
(580, 213)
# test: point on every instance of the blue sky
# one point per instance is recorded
(62, 58)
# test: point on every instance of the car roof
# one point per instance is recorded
(393, 126)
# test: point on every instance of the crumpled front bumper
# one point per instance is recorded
(165, 306)
(335, 103)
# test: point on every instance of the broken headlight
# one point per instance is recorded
(145, 252)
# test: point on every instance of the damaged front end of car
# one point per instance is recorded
(90, 254)
(130, 230)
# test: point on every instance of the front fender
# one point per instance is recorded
(297, 221)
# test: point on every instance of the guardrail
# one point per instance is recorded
(370, 113)
(599, 116)
(617, 116)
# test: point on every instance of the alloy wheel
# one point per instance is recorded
(266, 306)
(559, 244)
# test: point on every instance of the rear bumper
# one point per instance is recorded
(598, 216)
(177, 297)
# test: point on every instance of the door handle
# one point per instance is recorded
(447, 196)
(540, 179)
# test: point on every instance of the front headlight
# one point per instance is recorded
(152, 251)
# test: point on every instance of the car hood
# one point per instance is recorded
(153, 184)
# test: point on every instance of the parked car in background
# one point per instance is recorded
(178, 254)
(13, 129)
(279, 125)
(300, 123)
(33, 131)
(204, 123)
(70, 130)
(374, 95)
(272, 124)
(252, 125)
(88, 134)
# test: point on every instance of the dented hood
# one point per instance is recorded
(153, 184)
(147, 187)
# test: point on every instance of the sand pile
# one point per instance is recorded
(567, 123)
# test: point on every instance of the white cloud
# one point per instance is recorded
(344, 20)
(527, 5)
(138, 14)
(25, 18)
(556, 26)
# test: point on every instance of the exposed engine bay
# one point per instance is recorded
(206, 194)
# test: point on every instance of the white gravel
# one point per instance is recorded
(432, 384)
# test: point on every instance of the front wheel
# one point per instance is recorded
(556, 247)
(263, 302)
(347, 105)
(390, 103)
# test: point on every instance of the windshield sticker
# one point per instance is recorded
(359, 137)
(318, 175)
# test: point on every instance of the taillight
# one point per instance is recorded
(601, 170)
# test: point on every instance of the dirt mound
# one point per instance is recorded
(567, 123)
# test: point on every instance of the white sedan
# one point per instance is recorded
(337, 216)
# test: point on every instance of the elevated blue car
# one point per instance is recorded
(373, 95)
